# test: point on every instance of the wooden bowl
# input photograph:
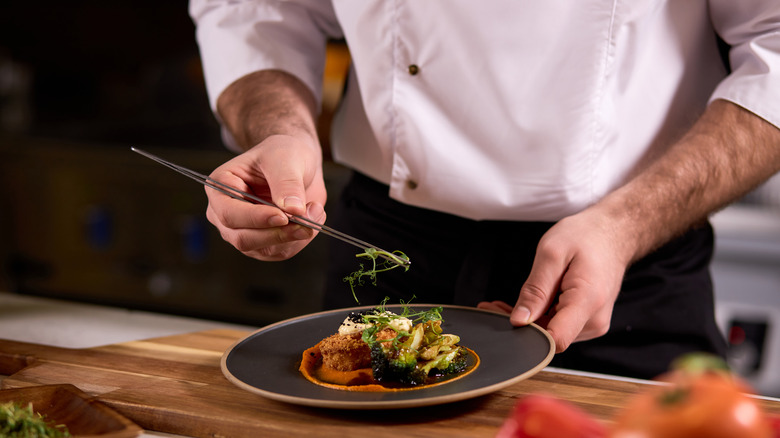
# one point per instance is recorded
(82, 414)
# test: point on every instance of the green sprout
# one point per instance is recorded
(390, 260)
(379, 318)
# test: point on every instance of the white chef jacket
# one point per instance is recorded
(505, 109)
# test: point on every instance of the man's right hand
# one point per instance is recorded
(284, 170)
(271, 116)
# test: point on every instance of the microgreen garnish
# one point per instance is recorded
(389, 261)
(379, 318)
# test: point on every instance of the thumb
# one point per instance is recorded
(537, 293)
(287, 188)
(284, 162)
(292, 203)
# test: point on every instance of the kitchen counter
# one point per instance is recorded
(76, 325)
(163, 373)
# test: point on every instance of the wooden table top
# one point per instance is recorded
(174, 384)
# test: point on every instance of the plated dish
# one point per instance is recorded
(266, 362)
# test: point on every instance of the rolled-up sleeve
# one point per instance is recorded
(752, 29)
(240, 37)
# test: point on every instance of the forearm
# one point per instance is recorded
(267, 103)
(728, 152)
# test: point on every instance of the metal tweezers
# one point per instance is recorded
(252, 199)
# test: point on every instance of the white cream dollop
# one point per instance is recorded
(399, 324)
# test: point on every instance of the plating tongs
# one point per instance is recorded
(252, 199)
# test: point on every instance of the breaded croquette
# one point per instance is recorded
(345, 352)
(349, 352)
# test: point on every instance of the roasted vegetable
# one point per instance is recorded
(543, 416)
(403, 369)
(701, 399)
(774, 423)
(447, 363)
(413, 357)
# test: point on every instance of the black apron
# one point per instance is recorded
(665, 307)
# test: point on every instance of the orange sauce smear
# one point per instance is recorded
(361, 380)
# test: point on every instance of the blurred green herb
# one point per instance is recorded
(17, 421)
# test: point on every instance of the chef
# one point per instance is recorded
(554, 160)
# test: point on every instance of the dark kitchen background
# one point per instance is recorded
(83, 218)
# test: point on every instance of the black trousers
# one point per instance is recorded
(665, 307)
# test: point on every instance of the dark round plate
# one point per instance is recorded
(266, 362)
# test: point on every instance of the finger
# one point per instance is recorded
(277, 252)
(496, 306)
(543, 321)
(286, 182)
(539, 290)
(243, 233)
(566, 325)
(294, 237)
(269, 242)
(235, 214)
(316, 212)
(574, 320)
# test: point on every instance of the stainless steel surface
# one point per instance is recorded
(252, 199)
(746, 276)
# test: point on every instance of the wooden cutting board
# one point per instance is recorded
(174, 384)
